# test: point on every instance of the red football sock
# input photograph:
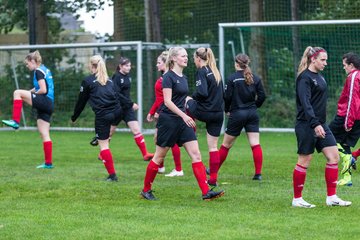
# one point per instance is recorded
(151, 172)
(176, 155)
(331, 177)
(356, 153)
(299, 176)
(140, 141)
(214, 163)
(47, 146)
(223, 152)
(200, 175)
(17, 106)
(107, 159)
(258, 158)
(161, 165)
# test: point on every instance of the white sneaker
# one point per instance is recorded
(300, 202)
(161, 170)
(336, 201)
(175, 173)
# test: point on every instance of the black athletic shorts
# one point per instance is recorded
(173, 130)
(307, 140)
(213, 120)
(43, 105)
(127, 115)
(103, 123)
(343, 137)
(242, 118)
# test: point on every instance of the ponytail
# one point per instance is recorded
(208, 56)
(163, 56)
(34, 56)
(310, 52)
(243, 60)
(98, 63)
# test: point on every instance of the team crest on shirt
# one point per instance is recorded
(177, 81)
(121, 80)
(198, 83)
(81, 89)
(314, 81)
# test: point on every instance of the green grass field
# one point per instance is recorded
(72, 201)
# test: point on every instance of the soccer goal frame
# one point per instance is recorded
(239, 25)
(138, 46)
(269, 24)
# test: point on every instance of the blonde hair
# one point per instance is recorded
(208, 56)
(34, 56)
(163, 56)
(98, 63)
(173, 52)
(243, 60)
(309, 53)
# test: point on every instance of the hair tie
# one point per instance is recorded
(317, 53)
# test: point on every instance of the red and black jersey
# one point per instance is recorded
(209, 95)
(349, 101)
(102, 98)
(159, 97)
(311, 98)
(240, 95)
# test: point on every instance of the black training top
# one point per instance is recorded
(102, 99)
(123, 83)
(311, 98)
(209, 95)
(180, 89)
(239, 95)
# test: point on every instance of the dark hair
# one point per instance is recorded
(352, 58)
(122, 61)
(243, 60)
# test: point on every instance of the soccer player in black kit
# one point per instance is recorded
(346, 124)
(244, 93)
(122, 80)
(175, 127)
(207, 104)
(100, 92)
(311, 128)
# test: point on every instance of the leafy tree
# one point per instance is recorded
(12, 13)
(337, 9)
(15, 14)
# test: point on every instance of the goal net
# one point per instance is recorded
(275, 49)
(69, 65)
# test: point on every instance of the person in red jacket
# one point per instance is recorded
(346, 124)
(154, 114)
